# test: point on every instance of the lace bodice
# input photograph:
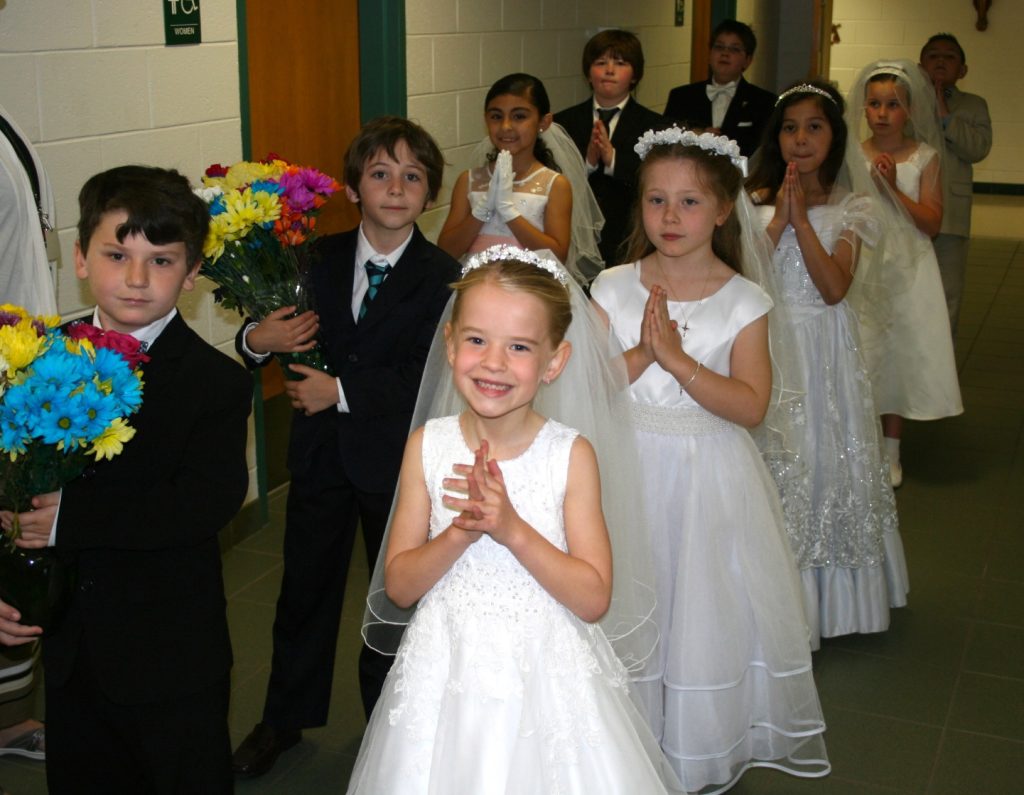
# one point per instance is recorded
(531, 197)
(851, 215)
(487, 579)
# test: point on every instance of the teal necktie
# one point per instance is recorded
(375, 274)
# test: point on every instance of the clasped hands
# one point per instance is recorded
(500, 197)
(480, 496)
(885, 167)
(660, 341)
(599, 148)
(790, 202)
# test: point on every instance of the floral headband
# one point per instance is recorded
(506, 252)
(718, 144)
(805, 88)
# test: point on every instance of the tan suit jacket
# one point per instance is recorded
(968, 134)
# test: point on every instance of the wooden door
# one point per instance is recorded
(303, 69)
(302, 66)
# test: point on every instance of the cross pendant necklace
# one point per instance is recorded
(685, 327)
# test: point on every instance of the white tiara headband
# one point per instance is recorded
(506, 252)
(718, 144)
(890, 68)
(805, 88)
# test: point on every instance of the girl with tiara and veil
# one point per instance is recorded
(911, 358)
(528, 185)
(514, 499)
(822, 211)
(731, 686)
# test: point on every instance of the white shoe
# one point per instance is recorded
(895, 474)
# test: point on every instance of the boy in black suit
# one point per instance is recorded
(137, 672)
(725, 103)
(606, 127)
(380, 290)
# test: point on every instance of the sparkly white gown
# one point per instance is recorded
(497, 687)
(531, 197)
(914, 368)
(732, 686)
(846, 540)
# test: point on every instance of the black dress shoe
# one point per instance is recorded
(258, 752)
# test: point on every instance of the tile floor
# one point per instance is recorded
(935, 705)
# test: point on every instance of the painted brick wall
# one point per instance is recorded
(93, 86)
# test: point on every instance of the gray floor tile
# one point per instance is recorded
(903, 689)
(996, 650)
(1001, 603)
(975, 764)
(992, 705)
(880, 752)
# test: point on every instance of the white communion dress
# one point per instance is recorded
(846, 540)
(497, 688)
(913, 367)
(531, 199)
(731, 687)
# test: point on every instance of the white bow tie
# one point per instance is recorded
(714, 90)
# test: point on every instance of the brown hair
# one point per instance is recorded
(515, 275)
(159, 203)
(717, 174)
(770, 165)
(621, 44)
(385, 132)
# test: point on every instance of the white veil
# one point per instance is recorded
(891, 270)
(923, 120)
(592, 396)
(584, 260)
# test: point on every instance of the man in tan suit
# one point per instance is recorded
(968, 138)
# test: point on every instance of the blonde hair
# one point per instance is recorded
(515, 275)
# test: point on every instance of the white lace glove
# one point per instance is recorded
(481, 204)
(501, 187)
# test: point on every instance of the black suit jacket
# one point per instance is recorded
(614, 194)
(379, 360)
(149, 608)
(744, 120)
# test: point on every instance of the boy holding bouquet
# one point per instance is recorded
(379, 291)
(137, 671)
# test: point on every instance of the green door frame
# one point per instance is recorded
(382, 87)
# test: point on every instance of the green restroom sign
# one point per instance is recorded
(181, 22)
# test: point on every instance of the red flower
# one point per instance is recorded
(217, 170)
(124, 344)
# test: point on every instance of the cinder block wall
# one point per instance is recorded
(873, 29)
(456, 49)
(93, 86)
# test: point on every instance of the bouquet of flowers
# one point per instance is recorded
(65, 397)
(262, 222)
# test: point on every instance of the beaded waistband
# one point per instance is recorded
(677, 421)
